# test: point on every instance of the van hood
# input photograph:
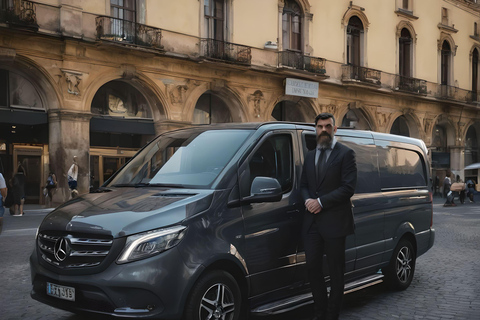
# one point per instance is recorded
(120, 212)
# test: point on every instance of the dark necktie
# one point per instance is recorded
(321, 163)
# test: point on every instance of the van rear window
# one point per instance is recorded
(401, 168)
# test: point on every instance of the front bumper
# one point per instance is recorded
(151, 288)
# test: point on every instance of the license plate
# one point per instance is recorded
(61, 292)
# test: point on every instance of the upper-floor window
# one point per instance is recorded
(124, 18)
(475, 73)
(354, 41)
(405, 4)
(446, 56)
(405, 53)
(475, 29)
(292, 26)
(215, 19)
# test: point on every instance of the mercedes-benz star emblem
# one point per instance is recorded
(61, 249)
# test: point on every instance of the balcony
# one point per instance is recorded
(226, 51)
(453, 93)
(361, 74)
(19, 13)
(300, 61)
(127, 32)
(411, 85)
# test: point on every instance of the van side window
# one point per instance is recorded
(272, 159)
(401, 168)
(368, 178)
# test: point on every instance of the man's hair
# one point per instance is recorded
(323, 116)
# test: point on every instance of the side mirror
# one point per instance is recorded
(264, 189)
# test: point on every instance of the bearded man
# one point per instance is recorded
(328, 182)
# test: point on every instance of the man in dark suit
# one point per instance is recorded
(328, 182)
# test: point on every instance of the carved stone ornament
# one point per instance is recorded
(176, 93)
(73, 79)
(257, 100)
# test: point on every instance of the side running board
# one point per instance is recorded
(299, 301)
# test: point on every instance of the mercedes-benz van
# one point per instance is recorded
(205, 223)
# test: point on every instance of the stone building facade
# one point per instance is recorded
(99, 79)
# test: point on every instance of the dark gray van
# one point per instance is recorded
(204, 223)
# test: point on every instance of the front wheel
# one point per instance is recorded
(399, 273)
(216, 295)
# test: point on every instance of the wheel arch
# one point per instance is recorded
(406, 231)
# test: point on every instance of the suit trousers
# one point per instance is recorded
(334, 248)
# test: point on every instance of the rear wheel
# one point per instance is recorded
(216, 295)
(400, 271)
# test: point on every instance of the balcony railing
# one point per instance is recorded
(411, 85)
(226, 51)
(127, 32)
(300, 61)
(361, 74)
(19, 12)
(453, 93)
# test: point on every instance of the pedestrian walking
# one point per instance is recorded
(72, 177)
(328, 182)
(19, 191)
(470, 189)
(447, 183)
(51, 186)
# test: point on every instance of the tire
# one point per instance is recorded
(400, 271)
(216, 295)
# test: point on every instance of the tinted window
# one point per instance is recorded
(272, 159)
(184, 158)
(368, 178)
(401, 168)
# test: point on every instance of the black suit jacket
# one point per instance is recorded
(335, 188)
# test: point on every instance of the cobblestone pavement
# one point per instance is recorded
(446, 283)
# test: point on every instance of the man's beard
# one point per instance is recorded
(324, 140)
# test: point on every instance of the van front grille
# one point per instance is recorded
(69, 251)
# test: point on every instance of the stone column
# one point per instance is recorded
(69, 135)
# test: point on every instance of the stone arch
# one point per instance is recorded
(42, 80)
(447, 37)
(155, 98)
(412, 122)
(364, 120)
(236, 105)
(406, 25)
(306, 108)
(355, 11)
(445, 122)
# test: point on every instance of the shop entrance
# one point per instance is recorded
(104, 162)
(31, 158)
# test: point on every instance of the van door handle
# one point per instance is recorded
(293, 211)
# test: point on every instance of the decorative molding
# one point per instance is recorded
(406, 14)
(449, 29)
(73, 79)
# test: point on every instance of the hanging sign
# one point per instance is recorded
(302, 88)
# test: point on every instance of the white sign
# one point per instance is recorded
(295, 87)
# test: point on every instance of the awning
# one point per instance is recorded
(472, 166)
(121, 125)
(27, 117)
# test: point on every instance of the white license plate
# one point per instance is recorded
(61, 292)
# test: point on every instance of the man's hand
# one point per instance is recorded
(313, 206)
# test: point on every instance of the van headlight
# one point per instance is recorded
(147, 244)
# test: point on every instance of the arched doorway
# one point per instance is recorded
(355, 119)
(210, 108)
(287, 110)
(121, 124)
(400, 127)
(24, 131)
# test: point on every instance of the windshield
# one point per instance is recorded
(186, 158)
